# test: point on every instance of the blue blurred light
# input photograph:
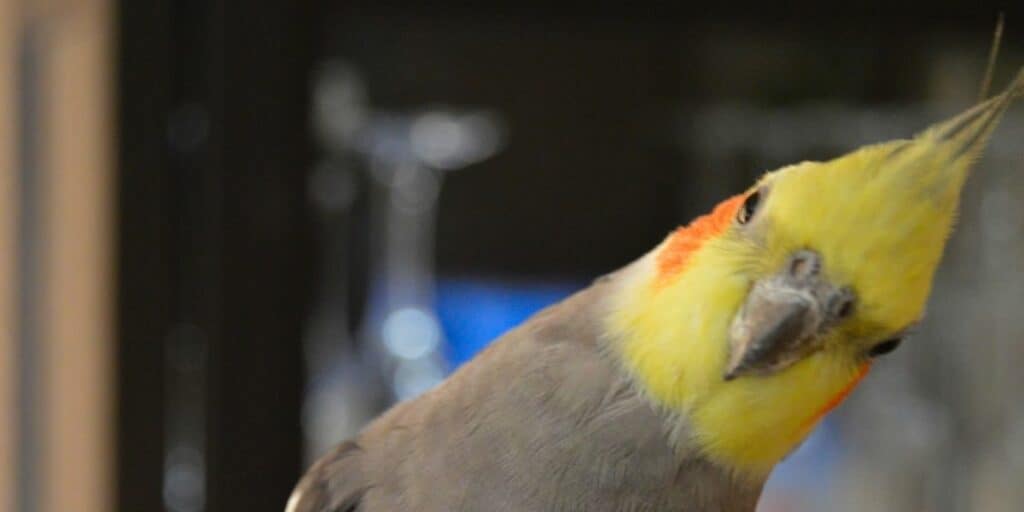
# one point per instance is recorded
(473, 312)
(806, 479)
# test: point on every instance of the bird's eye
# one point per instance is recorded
(749, 207)
(885, 347)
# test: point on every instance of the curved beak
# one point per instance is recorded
(783, 316)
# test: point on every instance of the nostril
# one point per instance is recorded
(845, 308)
(843, 303)
(804, 264)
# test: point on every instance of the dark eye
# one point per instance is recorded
(749, 207)
(885, 347)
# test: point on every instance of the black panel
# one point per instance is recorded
(213, 242)
(145, 253)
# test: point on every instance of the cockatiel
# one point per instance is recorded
(677, 382)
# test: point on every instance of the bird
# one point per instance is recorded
(678, 381)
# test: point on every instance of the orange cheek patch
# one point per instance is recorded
(838, 398)
(686, 240)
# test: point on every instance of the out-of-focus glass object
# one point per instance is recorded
(401, 349)
(409, 156)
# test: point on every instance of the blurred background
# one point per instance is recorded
(232, 234)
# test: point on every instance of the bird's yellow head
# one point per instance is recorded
(755, 320)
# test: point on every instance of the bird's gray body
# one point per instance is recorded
(543, 420)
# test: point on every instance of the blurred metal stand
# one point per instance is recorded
(400, 350)
(342, 392)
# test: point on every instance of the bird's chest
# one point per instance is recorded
(615, 482)
(617, 460)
